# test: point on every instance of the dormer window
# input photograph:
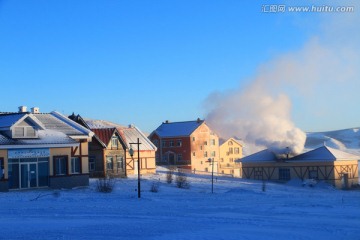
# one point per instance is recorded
(24, 132)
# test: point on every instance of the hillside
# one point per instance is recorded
(345, 140)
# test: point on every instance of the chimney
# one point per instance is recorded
(22, 109)
(198, 120)
(35, 110)
(167, 121)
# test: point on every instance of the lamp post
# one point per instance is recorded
(131, 151)
(211, 161)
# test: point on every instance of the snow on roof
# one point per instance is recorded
(54, 129)
(97, 124)
(177, 129)
(131, 135)
(263, 156)
(325, 153)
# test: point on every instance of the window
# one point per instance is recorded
(213, 153)
(75, 165)
(206, 169)
(200, 147)
(231, 160)
(119, 162)
(230, 143)
(236, 150)
(1, 168)
(91, 163)
(24, 132)
(171, 143)
(212, 142)
(284, 174)
(163, 143)
(178, 143)
(114, 142)
(193, 139)
(60, 165)
(230, 150)
(205, 143)
(179, 157)
(164, 158)
(109, 163)
(221, 159)
(194, 154)
(205, 154)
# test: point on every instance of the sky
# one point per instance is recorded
(144, 62)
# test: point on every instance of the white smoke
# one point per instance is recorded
(260, 113)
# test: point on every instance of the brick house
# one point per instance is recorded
(187, 144)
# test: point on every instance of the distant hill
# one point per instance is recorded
(345, 140)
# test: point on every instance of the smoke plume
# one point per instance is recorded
(319, 75)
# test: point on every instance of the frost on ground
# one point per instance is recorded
(238, 209)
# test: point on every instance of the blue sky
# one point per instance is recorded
(144, 62)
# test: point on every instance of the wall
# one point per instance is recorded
(329, 171)
(200, 145)
(227, 164)
(148, 163)
(58, 152)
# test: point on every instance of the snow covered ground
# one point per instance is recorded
(238, 209)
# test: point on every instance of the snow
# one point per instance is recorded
(238, 209)
(345, 140)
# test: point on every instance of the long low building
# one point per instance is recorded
(42, 150)
(322, 164)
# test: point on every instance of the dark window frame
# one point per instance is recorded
(55, 164)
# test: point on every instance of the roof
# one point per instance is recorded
(131, 134)
(177, 129)
(102, 130)
(54, 128)
(104, 134)
(263, 156)
(7, 120)
(325, 153)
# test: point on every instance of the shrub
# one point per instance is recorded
(169, 176)
(154, 187)
(181, 181)
(105, 185)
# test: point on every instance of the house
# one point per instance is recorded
(187, 144)
(324, 163)
(147, 150)
(109, 150)
(42, 150)
(230, 150)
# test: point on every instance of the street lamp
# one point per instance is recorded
(131, 151)
(211, 161)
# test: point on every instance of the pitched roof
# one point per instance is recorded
(177, 129)
(104, 134)
(7, 120)
(131, 134)
(325, 153)
(263, 156)
(54, 128)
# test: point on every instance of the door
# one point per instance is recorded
(28, 175)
